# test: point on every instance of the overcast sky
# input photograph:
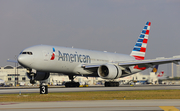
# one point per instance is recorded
(104, 25)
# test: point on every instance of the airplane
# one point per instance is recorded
(155, 69)
(46, 59)
(161, 74)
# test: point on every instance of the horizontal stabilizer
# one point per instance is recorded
(15, 61)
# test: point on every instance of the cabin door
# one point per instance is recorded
(46, 56)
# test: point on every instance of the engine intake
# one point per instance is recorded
(109, 71)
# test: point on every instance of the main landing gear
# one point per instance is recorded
(72, 83)
(111, 84)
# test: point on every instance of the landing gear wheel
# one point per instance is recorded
(32, 81)
(111, 84)
(72, 84)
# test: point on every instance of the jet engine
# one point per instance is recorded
(109, 71)
(38, 75)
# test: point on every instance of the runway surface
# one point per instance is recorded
(91, 88)
(99, 105)
(103, 105)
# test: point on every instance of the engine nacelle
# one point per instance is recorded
(109, 71)
(38, 75)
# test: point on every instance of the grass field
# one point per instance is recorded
(100, 95)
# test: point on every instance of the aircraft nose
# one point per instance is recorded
(21, 59)
(25, 61)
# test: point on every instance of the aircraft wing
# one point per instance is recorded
(150, 62)
(140, 63)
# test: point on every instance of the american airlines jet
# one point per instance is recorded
(73, 62)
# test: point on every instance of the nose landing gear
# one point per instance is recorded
(31, 74)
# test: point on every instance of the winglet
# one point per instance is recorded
(139, 49)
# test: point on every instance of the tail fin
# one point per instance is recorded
(140, 47)
(161, 74)
(155, 69)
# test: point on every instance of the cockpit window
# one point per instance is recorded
(29, 53)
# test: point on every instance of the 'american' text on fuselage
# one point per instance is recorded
(74, 57)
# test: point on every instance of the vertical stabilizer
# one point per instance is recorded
(139, 49)
(155, 69)
(161, 74)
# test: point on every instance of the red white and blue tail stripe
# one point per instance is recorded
(139, 49)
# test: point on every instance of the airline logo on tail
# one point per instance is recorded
(155, 69)
(53, 54)
(140, 47)
(160, 74)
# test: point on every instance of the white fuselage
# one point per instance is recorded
(67, 60)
